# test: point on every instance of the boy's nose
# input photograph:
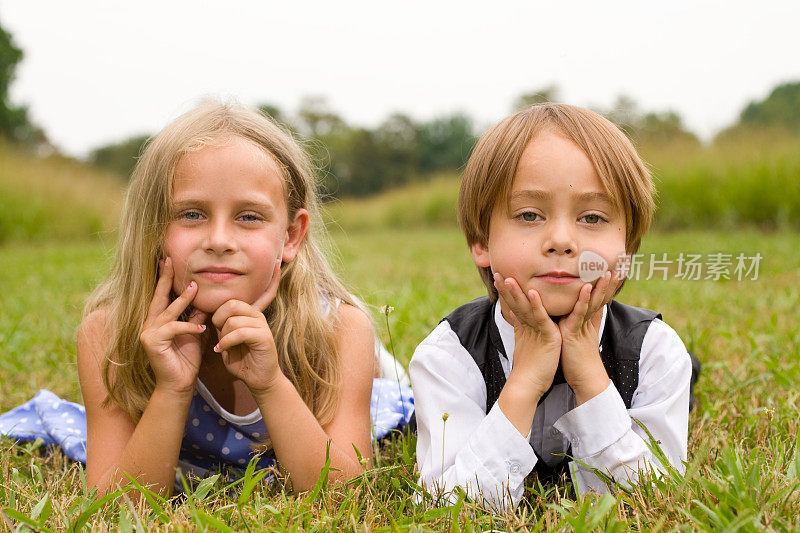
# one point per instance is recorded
(560, 239)
(220, 239)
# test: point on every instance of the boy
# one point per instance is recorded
(548, 364)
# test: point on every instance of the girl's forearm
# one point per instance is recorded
(151, 454)
(300, 443)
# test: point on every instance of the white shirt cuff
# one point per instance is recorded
(505, 450)
(596, 424)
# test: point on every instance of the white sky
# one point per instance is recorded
(99, 71)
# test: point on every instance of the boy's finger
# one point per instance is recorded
(539, 312)
(582, 305)
(272, 289)
(160, 299)
(599, 294)
(517, 300)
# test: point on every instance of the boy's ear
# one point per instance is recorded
(480, 253)
(294, 235)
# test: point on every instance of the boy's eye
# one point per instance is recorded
(593, 219)
(529, 216)
(250, 217)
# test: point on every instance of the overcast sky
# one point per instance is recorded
(99, 71)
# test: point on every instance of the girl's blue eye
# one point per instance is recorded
(529, 216)
(190, 215)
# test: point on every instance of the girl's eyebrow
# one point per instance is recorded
(245, 203)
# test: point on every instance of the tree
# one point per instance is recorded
(14, 122)
(316, 117)
(121, 157)
(540, 96)
(779, 110)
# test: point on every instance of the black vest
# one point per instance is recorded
(621, 343)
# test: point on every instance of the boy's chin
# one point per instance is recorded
(558, 307)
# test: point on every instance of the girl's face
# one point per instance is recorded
(229, 223)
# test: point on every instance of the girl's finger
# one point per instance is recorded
(197, 317)
(170, 330)
(236, 338)
(272, 289)
(180, 304)
(234, 308)
(238, 322)
(160, 299)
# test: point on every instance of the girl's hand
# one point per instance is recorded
(245, 340)
(537, 339)
(580, 354)
(172, 346)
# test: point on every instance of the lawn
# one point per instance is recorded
(743, 465)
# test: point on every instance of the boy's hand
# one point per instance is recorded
(537, 339)
(580, 355)
(245, 340)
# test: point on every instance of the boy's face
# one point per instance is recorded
(557, 209)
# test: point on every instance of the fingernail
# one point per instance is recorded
(202, 327)
(216, 348)
(191, 285)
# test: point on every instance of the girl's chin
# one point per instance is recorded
(209, 303)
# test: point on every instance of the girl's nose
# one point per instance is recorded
(560, 238)
(220, 238)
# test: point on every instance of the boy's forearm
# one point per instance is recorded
(518, 401)
(151, 454)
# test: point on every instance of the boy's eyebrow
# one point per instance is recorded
(532, 194)
(538, 194)
(595, 197)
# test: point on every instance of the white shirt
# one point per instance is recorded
(486, 455)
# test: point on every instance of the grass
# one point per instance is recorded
(743, 455)
(53, 198)
(752, 181)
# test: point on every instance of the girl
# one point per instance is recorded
(221, 327)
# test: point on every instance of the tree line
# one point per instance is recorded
(355, 160)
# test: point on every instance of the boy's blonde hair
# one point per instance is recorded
(304, 330)
(492, 166)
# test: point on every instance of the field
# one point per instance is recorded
(743, 466)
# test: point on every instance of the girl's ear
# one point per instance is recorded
(480, 253)
(294, 235)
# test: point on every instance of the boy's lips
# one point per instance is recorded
(557, 277)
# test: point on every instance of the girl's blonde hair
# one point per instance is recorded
(304, 329)
(491, 168)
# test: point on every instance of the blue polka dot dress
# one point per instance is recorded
(215, 439)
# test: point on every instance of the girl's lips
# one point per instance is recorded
(218, 277)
